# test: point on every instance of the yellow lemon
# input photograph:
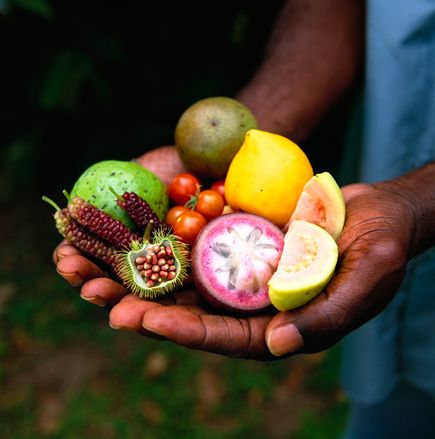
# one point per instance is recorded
(266, 176)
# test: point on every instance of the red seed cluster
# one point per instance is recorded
(140, 211)
(81, 238)
(101, 224)
(157, 265)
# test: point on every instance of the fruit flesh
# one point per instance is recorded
(122, 176)
(321, 202)
(267, 176)
(232, 260)
(151, 269)
(307, 264)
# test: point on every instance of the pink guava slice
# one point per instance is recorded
(233, 258)
(306, 265)
(321, 202)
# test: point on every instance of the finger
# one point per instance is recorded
(127, 315)
(102, 291)
(76, 270)
(163, 162)
(64, 249)
(226, 335)
(361, 289)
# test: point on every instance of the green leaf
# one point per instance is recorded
(38, 7)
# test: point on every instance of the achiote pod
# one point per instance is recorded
(154, 267)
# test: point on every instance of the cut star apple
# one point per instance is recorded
(233, 258)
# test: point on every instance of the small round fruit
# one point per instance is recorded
(219, 187)
(182, 187)
(210, 132)
(174, 213)
(188, 225)
(122, 176)
(306, 265)
(210, 204)
(233, 258)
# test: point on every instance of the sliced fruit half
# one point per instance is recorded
(306, 265)
(321, 202)
(233, 258)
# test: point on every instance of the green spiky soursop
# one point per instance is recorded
(123, 176)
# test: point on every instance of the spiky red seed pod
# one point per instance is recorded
(140, 211)
(101, 224)
(84, 240)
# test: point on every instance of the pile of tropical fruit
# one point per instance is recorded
(246, 216)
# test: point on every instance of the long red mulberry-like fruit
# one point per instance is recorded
(101, 224)
(82, 239)
(139, 211)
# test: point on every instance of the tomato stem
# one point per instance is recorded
(192, 202)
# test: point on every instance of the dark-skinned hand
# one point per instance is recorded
(374, 248)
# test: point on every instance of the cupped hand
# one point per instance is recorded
(374, 248)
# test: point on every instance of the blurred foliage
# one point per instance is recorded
(86, 81)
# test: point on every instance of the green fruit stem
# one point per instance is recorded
(51, 203)
(147, 232)
(115, 193)
(193, 201)
(67, 195)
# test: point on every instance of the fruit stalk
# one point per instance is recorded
(101, 224)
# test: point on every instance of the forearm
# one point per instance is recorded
(313, 56)
(417, 189)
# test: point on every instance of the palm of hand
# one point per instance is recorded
(373, 248)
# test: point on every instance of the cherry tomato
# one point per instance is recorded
(219, 187)
(182, 187)
(210, 204)
(188, 225)
(174, 213)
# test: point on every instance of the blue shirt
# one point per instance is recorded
(398, 135)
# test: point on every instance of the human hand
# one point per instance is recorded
(374, 248)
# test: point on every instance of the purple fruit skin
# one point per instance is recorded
(200, 284)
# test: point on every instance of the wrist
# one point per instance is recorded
(416, 190)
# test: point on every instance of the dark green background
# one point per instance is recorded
(87, 81)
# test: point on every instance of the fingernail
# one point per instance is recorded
(96, 300)
(73, 279)
(113, 326)
(284, 340)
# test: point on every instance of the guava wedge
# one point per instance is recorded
(233, 257)
(306, 265)
(321, 202)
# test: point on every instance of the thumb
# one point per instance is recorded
(360, 290)
(311, 328)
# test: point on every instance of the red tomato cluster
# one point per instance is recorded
(193, 207)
